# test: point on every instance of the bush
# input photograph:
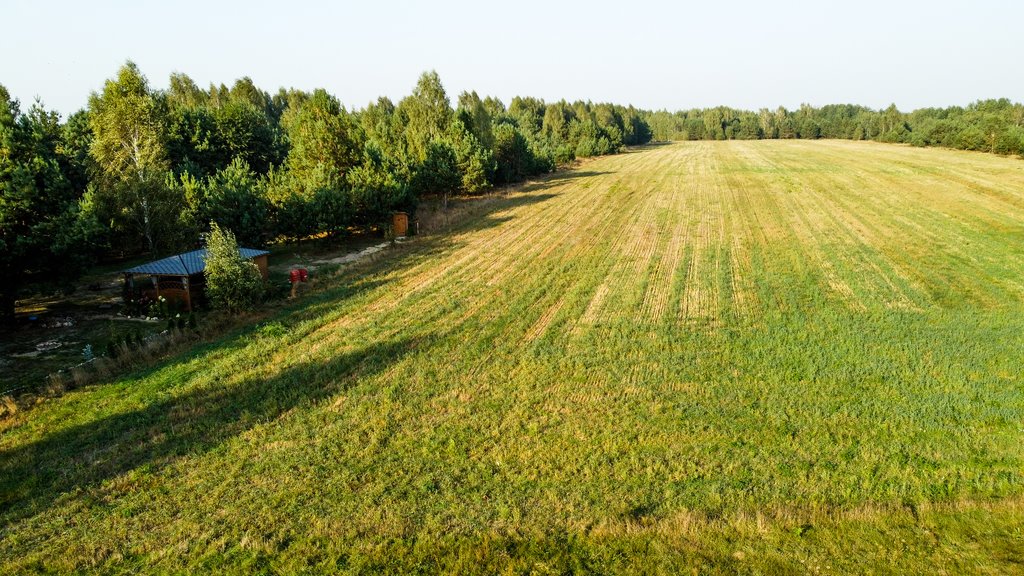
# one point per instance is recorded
(232, 282)
(159, 308)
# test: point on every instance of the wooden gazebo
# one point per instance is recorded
(179, 278)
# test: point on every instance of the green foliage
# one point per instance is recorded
(375, 191)
(427, 113)
(512, 154)
(203, 140)
(438, 173)
(330, 207)
(232, 282)
(183, 93)
(474, 162)
(635, 128)
(557, 119)
(589, 139)
(129, 147)
(292, 209)
(528, 114)
(189, 193)
(473, 114)
(128, 126)
(234, 200)
(192, 141)
(42, 239)
(385, 144)
(325, 142)
(74, 151)
(148, 168)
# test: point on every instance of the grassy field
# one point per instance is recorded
(753, 357)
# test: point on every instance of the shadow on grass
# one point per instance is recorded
(33, 476)
(489, 219)
(363, 276)
(558, 178)
(310, 306)
(476, 213)
(647, 146)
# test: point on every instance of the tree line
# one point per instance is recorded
(145, 171)
(995, 126)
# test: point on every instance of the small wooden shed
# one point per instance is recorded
(179, 278)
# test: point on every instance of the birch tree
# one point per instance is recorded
(128, 146)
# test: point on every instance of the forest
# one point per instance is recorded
(145, 171)
(995, 126)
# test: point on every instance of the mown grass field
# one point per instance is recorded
(754, 357)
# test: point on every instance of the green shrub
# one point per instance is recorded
(272, 330)
(232, 282)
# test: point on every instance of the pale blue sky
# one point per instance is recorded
(673, 55)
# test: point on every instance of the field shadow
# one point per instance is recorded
(309, 306)
(648, 145)
(490, 218)
(358, 277)
(479, 213)
(34, 476)
(559, 178)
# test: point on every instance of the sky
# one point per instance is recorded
(652, 54)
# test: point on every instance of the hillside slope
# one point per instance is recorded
(743, 356)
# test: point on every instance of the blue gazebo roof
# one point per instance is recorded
(185, 264)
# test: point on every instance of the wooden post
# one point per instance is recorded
(188, 293)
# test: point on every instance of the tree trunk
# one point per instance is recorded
(147, 225)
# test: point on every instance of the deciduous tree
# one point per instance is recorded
(129, 147)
